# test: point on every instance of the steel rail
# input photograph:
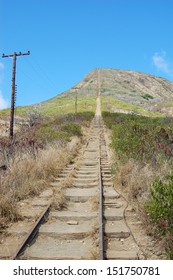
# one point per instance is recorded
(31, 232)
(100, 186)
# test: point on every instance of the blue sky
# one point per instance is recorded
(69, 38)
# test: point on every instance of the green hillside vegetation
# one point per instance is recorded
(63, 105)
(55, 106)
(62, 128)
(113, 104)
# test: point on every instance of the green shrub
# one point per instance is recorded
(133, 140)
(72, 129)
(84, 117)
(160, 205)
(47, 134)
(160, 211)
(147, 96)
(140, 137)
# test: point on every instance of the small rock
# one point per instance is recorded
(158, 253)
(73, 223)
(130, 209)
(46, 193)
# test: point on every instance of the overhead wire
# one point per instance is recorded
(44, 73)
(31, 77)
(34, 72)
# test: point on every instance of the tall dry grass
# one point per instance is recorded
(28, 176)
(135, 177)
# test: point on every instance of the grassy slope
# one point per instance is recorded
(112, 104)
(56, 106)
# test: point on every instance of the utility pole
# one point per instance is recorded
(13, 95)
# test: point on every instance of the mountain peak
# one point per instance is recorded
(130, 86)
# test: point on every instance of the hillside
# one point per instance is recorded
(149, 92)
(121, 90)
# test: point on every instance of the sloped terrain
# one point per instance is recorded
(148, 92)
(120, 90)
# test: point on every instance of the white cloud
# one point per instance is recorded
(3, 102)
(162, 63)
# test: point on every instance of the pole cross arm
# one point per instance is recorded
(16, 54)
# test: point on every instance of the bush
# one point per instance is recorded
(72, 129)
(160, 205)
(134, 140)
(34, 117)
(139, 137)
(147, 96)
(160, 210)
(47, 134)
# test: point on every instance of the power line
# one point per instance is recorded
(34, 73)
(42, 73)
(32, 78)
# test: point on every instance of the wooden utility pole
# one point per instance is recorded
(13, 95)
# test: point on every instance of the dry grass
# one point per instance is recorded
(94, 203)
(135, 177)
(59, 200)
(94, 254)
(133, 181)
(28, 176)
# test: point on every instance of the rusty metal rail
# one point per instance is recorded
(30, 235)
(100, 186)
(101, 222)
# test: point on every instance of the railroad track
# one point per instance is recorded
(92, 224)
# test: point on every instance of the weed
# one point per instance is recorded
(8, 209)
(59, 200)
